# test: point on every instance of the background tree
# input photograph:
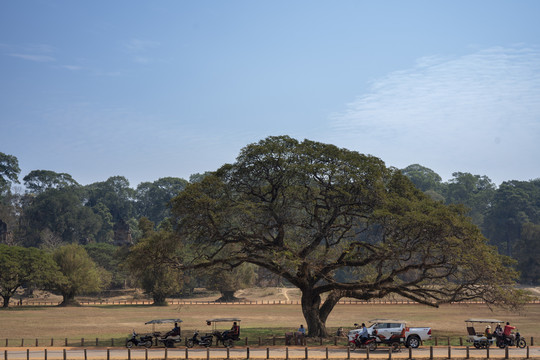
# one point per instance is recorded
(62, 212)
(152, 198)
(423, 178)
(79, 274)
(228, 280)
(109, 257)
(307, 210)
(145, 262)
(38, 181)
(9, 172)
(474, 191)
(21, 266)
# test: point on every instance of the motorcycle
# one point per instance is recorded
(145, 340)
(394, 341)
(369, 343)
(205, 340)
(518, 341)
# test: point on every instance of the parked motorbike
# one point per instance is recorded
(369, 343)
(205, 340)
(519, 341)
(145, 340)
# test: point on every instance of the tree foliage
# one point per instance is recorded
(146, 262)
(9, 172)
(79, 274)
(307, 210)
(38, 181)
(21, 266)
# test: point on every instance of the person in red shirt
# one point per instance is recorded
(507, 332)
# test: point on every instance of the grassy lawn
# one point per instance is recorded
(264, 321)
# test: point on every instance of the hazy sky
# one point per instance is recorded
(149, 89)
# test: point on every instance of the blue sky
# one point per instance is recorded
(149, 89)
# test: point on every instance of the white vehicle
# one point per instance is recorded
(387, 328)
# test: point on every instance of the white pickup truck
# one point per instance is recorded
(412, 336)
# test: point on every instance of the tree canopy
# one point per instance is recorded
(306, 210)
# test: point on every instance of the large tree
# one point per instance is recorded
(21, 266)
(145, 261)
(306, 210)
(79, 274)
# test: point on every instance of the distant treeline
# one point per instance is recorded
(105, 217)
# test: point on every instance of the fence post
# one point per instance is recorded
(146, 353)
(82, 342)
(410, 352)
(448, 340)
(37, 343)
(487, 352)
(287, 353)
(44, 354)
(247, 352)
(65, 342)
(348, 352)
(260, 341)
(129, 354)
(506, 352)
(6, 342)
(65, 357)
(335, 340)
(306, 352)
(27, 354)
(207, 353)
(367, 352)
(274, 340)
(327, 352)
(5, 355)
(527, 352)
(166, 352)
(187, 354)
(436, 341)
(112, 341)
(431, 351)
(468, 354)
(85, 355)
(268, 353)
(460, 341)
(449, 351)
(389, 352)
(532, 341)
(22, 342)
(228, 355)
(108, 354)
(97, 341)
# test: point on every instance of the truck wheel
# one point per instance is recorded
(413, 341)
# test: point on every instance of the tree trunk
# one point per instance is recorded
(6, 301)
(311, 309)
(316, 313)
(159, 300)
(69, 300)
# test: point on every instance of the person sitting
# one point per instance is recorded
(507, 332)
(302, 330)
(363, 334)
(234, 333)
(487, 332)
(175, 331)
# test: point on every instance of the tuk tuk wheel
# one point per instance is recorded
(396, 346)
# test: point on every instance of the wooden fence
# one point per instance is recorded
(274, 340)
(286, 353)
(30, 302)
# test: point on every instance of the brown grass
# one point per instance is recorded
(117, 321)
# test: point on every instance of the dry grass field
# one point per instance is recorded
(117, 321)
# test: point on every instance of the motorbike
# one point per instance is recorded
(145, 340)
(394, 341)
(518, 341)
(369, 343)
(205, 340)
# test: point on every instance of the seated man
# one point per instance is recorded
(175, 331)
(234, 333)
